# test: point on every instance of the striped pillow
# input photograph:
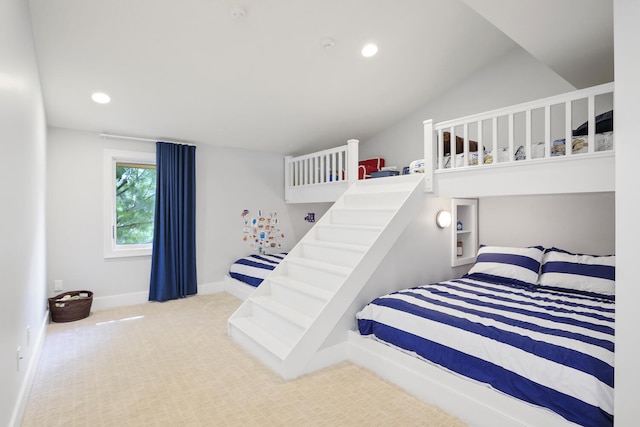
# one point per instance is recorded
(586, 273)
(513, 264)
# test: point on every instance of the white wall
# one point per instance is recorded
(22, 217)
(227, 182)
(516, 78)
(579, 223)
(627, 70)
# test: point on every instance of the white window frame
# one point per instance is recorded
(111, 157)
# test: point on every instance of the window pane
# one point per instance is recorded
(135, 203)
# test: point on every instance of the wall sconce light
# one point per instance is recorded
(443, 219)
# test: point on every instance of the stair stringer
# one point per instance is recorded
(294, 361)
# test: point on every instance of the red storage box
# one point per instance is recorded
(365, 167)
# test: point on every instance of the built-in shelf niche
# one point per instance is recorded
(464, 211)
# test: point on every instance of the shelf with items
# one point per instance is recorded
(464, 213)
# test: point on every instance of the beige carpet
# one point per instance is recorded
(172, 364)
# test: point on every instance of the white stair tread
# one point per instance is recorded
(278, 345)
(301, 287)
(336, 245)
(290, 314)
(377, 228)
(318, 265)
(379, 209)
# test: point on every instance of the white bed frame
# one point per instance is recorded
(237, 288)
(324, 175)
(321, 176)
(592, 171)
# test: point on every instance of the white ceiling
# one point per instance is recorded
(187, 71)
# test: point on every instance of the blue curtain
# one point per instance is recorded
(173, 259)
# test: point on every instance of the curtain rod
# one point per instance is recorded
(135, 138)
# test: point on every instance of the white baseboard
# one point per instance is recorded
(211, 288)
(133, 298)
(32, 367)
(112, 301)
(328, 356)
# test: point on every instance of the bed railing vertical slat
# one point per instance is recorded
(465, 145)
(327, 169)
(431, 153)
(440, 150)
(305, 171)
(352, 160)
(591, 108)
(568, 136)
(452, 147)
(480, 144)
(316, 163)
(547, 131)
(494, 124)
(528, 133)
(333, 167)
(511, 137)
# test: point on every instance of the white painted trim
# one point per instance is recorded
(475, 403)
(133, 298)
(111, 250)
(211, 288)
(25, 387)
(327, 356)
(112, 301)
(237, 288)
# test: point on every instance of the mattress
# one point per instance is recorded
(253, 269)
(546, 347)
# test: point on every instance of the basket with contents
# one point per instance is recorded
(70, 306)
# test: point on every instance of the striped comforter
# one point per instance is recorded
(253, 269)
(545, 347)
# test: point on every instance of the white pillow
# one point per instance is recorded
(587, 273)
(513, 264)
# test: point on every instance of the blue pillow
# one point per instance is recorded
(519, 264)
(578, 272)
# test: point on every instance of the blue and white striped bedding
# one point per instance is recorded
(546, 347)
(253, 269)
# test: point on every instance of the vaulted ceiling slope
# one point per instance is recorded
(198, 71)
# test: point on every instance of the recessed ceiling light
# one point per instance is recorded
(369, 50)
(101, 98)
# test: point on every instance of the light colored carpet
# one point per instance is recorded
(172, 364)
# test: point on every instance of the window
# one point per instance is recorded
(130, 189)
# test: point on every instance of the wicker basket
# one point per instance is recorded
(76, 308)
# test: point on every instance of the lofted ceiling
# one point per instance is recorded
(197, 71)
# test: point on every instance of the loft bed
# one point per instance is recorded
(519, 150)
(321, 176)
(523, 148)
(523, 152)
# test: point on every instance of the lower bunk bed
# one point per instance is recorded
(502, 345)
(246, 273)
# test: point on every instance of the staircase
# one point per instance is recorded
(288, 317)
